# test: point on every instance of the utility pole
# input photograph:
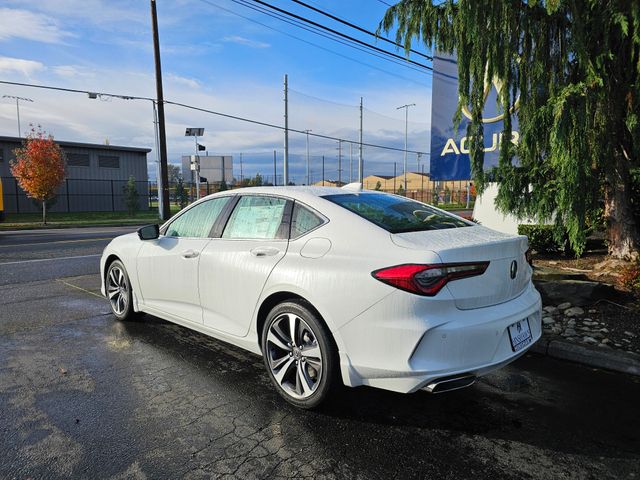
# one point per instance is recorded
(406, 129)
(323, 170)
(164, 174)
(240, 169)
(17, 99)
(360, 160)
(286, 130)
(350, 162)
(308, 167)
(158, 175)
(394, 178)
(422, 185)
(275, 176)
(339, 163)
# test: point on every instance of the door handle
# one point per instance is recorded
(264, 251)
(190, 254)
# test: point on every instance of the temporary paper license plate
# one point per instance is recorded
(520, 335)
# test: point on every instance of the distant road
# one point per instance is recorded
(31, 255)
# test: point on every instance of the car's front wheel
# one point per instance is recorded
(299, 354)
(119, 291)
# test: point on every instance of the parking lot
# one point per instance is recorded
(84, 396)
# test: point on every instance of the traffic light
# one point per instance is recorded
(201, 148)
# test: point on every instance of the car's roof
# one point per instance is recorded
(297, 192)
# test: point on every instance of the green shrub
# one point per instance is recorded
(541, 238)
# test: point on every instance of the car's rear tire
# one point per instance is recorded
(304, 365)
(119, 293)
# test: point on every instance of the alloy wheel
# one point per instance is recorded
(294, 355)
(117, 290)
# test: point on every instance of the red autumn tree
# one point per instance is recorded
(39, 167)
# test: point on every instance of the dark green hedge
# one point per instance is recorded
(540, 238)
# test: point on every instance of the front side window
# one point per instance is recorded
(257, 217)
(303, 221)
(198, 220)
(397, 214)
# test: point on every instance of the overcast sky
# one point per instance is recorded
(215, 55)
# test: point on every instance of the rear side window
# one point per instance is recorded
(197, 221)
(257, 217)
(396, 214)
(303, 221)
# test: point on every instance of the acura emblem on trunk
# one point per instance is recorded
(514, 269)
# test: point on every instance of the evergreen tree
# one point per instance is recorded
(131, 196)
(574, 69)
(181, 193)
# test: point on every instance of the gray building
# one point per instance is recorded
(95, 177)
(211, 168)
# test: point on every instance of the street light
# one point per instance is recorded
(195, 164)
(406, 128)
(104, 96)
(18, 108)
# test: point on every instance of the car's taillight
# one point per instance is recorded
(427, 280)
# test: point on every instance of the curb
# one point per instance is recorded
(616, 361)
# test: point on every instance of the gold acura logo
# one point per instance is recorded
(498, 85)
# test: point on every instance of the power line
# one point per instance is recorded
(213, 112)
(210, 3)
(385, 3)
(336, 32)
(321, 33)
(359, 28)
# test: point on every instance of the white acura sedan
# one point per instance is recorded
(334, 286)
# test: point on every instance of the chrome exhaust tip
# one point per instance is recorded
(450, 384)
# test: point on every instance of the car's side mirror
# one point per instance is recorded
(149, 232)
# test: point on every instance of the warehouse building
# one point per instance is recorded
(95, 177)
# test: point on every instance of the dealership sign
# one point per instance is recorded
(450, 148)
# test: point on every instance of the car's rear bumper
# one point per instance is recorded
(403, 344)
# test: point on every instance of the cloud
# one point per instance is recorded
(185, 81)
(74, 117)
(27, 68)
(72, 71)
(245, 41)
(93, 11)
(15, 23)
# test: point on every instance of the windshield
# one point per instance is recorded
(396, 214)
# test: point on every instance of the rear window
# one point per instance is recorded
(396, 214)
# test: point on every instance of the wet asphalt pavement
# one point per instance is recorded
(84, 396)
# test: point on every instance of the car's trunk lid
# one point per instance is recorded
(503, 279)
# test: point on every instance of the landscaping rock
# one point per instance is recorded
(571, 322)
(589, 340)
(569, 332)
(574, 312)
(551, 310)
(548, 321)
(564, 306)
